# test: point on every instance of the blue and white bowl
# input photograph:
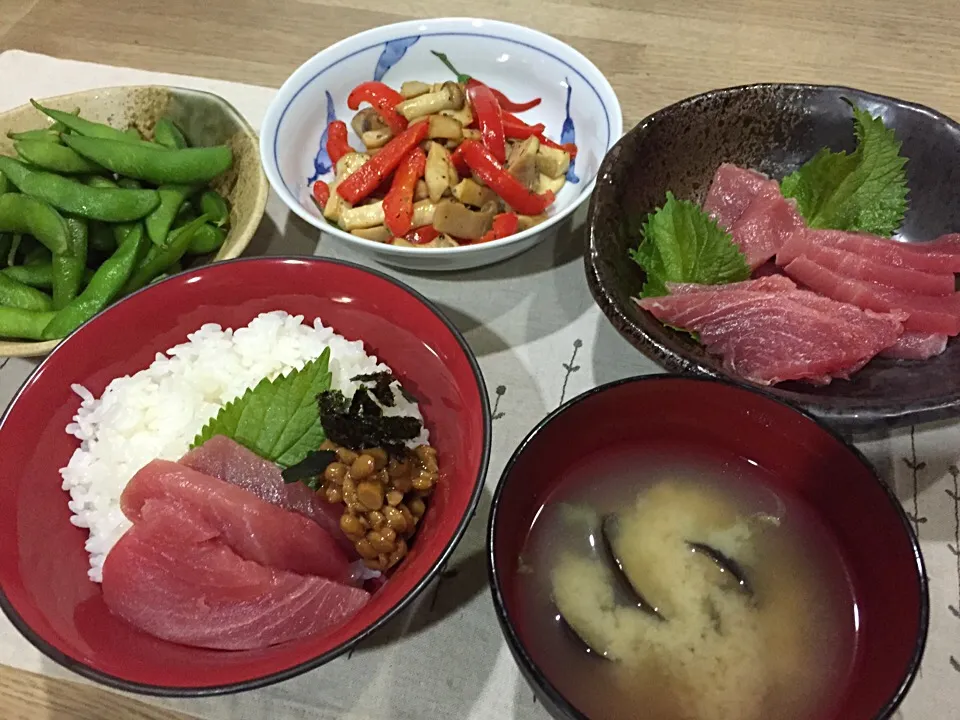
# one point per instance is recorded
(578, 106)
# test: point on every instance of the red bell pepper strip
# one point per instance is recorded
(488, 116)
(517, 129)
(504, 225)
(566, 147)
(337, 143)
(366, 179)
(510, 190)
(456, 157)
(504, 102)
(321, 194)
(422, 235)
(384, 99)
(398, 204)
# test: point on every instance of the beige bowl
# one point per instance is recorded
(205, 119)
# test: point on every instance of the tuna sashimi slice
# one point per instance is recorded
(771, 337)
(223, 458)
(767, 283)
(927, 314)
(765, 225)
(916, 346)
(941, 256)
(859, 267)
(254, 529)
(731, 191)
(201, 593)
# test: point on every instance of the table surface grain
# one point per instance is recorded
(653, 51)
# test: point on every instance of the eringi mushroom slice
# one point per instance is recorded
(440, 175)
(460, 221)
(449, 97)
(470, 192)
(378, 234)
(552, 162)
(522, 162)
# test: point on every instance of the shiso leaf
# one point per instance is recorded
(865, 191)
(278, 419)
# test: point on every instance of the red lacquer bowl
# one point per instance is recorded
(802, 458)
(45, 590)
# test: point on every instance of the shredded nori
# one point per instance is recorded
(310, 468)
(361, 423)
(381, 389)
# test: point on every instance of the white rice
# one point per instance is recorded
(157, 412)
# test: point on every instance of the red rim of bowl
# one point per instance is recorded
(116, 683)
(538, 679)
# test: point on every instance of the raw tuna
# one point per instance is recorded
(916, 346)
(858, 267)
(768, 283)
(941, 256)
(254, 529)
(731, 191)
(165, 577)
(223, 458)
(765, 225)
(771, 337)
(927, 314)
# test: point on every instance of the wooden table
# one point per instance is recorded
(654, 52)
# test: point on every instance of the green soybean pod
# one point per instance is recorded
(24, 324)
(154, 163)
(166, 133)
(50, 135)
(4, 184)
(38, 276)
(16, 240)
(100, 237)
(95, 203)
(129, 184)
(160, 220)
(133, 134)
(50, 156)
(29, 215)
(68, 267)
(99, 181)
(6, 242)
(82, 126)
(104, 286)
(34, 253)
(214, 206)
(14, 293)
(207, 239)
(160, 258)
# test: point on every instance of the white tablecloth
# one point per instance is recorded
(540, 339)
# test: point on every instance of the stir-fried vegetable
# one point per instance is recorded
(442, 165)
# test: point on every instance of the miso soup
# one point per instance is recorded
(676, 587)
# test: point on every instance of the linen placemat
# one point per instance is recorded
(540, 339)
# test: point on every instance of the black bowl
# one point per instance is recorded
(774, 128)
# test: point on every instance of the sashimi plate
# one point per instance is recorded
(774, 128)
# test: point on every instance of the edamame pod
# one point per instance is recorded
(161, 257)
(166, 133)
(100, 237)
(154, 163)
(207, 239)
(38, 276)
(4, 184)
(85, 127)
(104, 286)
(29, 215)
(50, 134)
(68, 267)
(50, 156)
(34, 253)
(16, 294)
(129, 184)
(99, 181)
(215, 207)
(160, 220)
(96, 203)
(24, 324)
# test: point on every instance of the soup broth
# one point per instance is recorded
(666, 589)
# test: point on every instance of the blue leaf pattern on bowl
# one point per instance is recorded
(393, 51)
(321, 162)
(569, 134)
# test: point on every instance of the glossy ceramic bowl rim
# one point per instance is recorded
(535, 675)
(274, 115)
(81, 668)
(856, 415)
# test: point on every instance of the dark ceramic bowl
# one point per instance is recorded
(774, 129)
(802, 458)
(44, 588)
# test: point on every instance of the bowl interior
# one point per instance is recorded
(774, 129)
(805, 461)
(205, 119)
(578, 104)
(43, 571)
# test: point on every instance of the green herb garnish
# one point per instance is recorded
(682, 244)
(865, 191)
(278, 419)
